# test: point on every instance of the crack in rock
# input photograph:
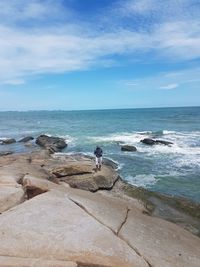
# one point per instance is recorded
(115, 233)
(90, 214)
(126, 217)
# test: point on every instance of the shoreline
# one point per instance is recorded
(180, 211)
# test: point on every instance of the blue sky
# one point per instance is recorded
(91, 54)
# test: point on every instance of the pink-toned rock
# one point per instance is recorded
(10, 197)
(6, 261)
(52, 227)
(160, 242)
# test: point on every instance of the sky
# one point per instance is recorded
(99, 54)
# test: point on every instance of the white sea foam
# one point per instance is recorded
(185, 151)
(128, 138)
(143, 180)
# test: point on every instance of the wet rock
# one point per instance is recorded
(148, 141)
(53, 144)
(26, 139)
(167, 143)
(128, 148)
(5, 153)
(8, 141)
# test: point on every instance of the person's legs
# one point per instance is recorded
(97, 163)
(100, 163)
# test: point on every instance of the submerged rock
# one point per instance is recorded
(26, 139)
(128, 148)
(54, 144)
(5, 153)
(149, 141)
(8, 141)
(167, 143)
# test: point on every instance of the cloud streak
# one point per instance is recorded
(170, 86)
(165, 81)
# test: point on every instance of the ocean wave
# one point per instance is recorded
(143, 180)
(129, 138)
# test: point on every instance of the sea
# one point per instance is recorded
(172, 170)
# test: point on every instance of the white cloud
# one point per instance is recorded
(170, 86)
(68, 45)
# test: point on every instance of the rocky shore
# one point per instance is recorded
(57, 211)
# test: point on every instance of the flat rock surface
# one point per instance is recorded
(161, 242)
(108, 210)
(51, 224)
(34, 262)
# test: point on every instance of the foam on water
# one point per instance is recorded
(143, 180)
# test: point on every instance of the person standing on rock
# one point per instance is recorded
(98, 157)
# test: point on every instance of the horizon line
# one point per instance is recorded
(129, 108)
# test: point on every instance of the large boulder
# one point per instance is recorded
(128, 148)
(72, 169)
(82, 175)
(54, 144)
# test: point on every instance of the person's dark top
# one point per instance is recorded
(98, 152)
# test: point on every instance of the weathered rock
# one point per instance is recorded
(148, 141)
(128, 148)
(52, 227)
(167, 143)
(72, 169)
(5, 153)
(90, 183)
(54, 144)
(110, 163)
(160, 242)
(8, 141)
(35, 186)
(7, 261)
(26, 139)
(10, 197)
(110, 211)
(81, 175)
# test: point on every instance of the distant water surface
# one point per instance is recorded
(173, 170)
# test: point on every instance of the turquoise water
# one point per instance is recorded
(173, 170)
